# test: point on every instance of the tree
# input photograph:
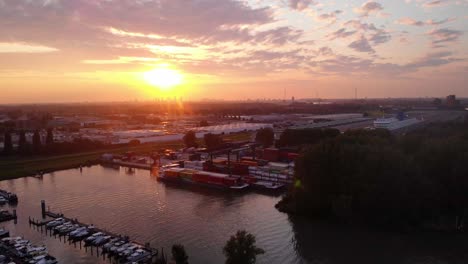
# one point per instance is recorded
(265, 136)
(241, 249)
(36, 141)
(7, 143)
(134, 142)
(437, 101)
(308, 136)
(212, 141)
(50, 136)
(204, 123)
(190, 139)
(179, 255)
(22, 144)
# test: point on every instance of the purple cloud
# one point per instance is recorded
(361, 45)
(443, 36)
(300, 4)
(369, 8)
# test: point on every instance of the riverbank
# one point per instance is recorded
(16, 166)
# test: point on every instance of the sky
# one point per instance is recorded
(102, 50)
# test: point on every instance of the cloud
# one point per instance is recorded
(341, 33)
(368, 8)
(412, 22)
(443, 36)
(300, 4)
(432, 60)
(82, 20)
(331, 17)
(379, 37)
(13, 47)
(361, 45)
(358, 25)
(434, 3)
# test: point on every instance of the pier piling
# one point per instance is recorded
(43, 208)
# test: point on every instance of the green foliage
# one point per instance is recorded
(179, 255)
(241, 249)
(23, 146)
(413, 180)
(134, 142)
(7, 143)
(50, 136)
(190, 139)
(37, 142)
(296, 137)
(265, 136)
(204, 123)
(212, 141)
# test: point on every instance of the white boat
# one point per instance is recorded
(393, 123)
(273, 186)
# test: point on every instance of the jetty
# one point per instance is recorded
(7, 216)
(19, 250)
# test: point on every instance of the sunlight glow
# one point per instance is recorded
(163, 78)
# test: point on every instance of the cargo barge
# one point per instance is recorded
(204, 178)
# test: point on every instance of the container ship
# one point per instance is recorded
(206, 178)
(271, 177)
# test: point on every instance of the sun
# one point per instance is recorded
(163, 78)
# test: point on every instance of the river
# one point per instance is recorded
(133, 203)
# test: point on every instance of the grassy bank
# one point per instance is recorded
(16, 167)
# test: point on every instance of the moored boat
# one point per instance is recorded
(205, 178)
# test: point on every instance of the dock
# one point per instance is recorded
(150, 256)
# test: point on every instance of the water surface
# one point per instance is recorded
(133, 203)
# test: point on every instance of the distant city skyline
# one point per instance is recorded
(124, 50)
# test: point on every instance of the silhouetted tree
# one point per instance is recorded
(50, 136)
(212, 141)
(308, 136)
(134, 142)
(179, 255)
(241, 249)
(7, 143)
(36, 141)
(265, 136)
(190, 139)
(414, 179)
(22, 144)
(437, 101)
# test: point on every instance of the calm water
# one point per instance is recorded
(135, 204)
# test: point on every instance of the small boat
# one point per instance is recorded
(54, 223)
(93, 237)
(101, 240)
(138, 255)
(4, 233)
(272, 186)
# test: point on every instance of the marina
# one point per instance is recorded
(117, 248)
(19, 250)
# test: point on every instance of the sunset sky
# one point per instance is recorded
(114, 50)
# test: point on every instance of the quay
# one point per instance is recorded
(113, 245)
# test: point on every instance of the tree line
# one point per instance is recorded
(416, 180)
(48, 146)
